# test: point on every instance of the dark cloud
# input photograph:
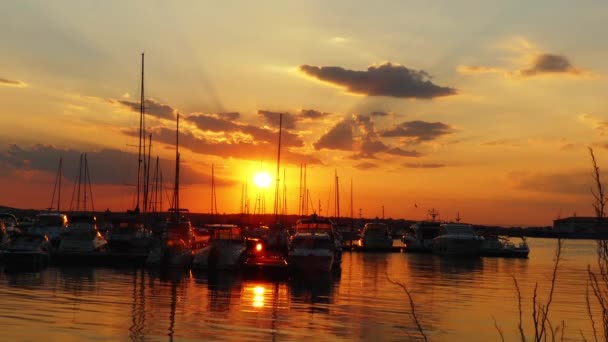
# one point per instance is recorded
(549, 63)
(312, 114)
(339, 137)
(574, 183)
(419, 131)
(379, 114)
(151, 107)
(207, 122)
(216, 123)
(358, 135)
(366, 166)
(404, 153)
(257, 150)
(423, 165)
(12, 83)
(384, 80)
(272, 118)
(229, 116)
(107, 166)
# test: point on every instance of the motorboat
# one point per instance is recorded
(375, 236)
(11, 223)
(261, 259)
(502, 246)
(82, 236)
(50, 223)
(175, 248)
(419, 236)
(28, 250)
(311, 252)
(225, 250)
(314, 247)
(129, 236)
(457, 239)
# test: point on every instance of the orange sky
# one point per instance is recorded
(420, 106)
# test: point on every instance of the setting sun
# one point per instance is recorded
(262, 179)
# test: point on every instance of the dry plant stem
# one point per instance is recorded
(520, 325)
(589, 305)
(412, 306)
(544, 310)
(502, 335)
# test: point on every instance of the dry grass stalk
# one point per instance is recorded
(412, 306)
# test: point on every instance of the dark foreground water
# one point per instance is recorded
(456, 300)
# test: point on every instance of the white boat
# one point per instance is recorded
(82, 236)
(225, 251)
(314, 246)
(419, 236)
(50, 223)
(501, 246)
(311, 252)
(375, 236)
(457, 239)
(28, 250)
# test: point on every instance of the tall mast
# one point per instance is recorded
(147, 176)
(213, 197)
(337, 196)
(176, 189)
(141, 133)
(57, 187)
(276, 192)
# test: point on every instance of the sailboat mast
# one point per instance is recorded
(176, 189)
(141, 132)
(337, 196)
(276, 193)
(147, 175)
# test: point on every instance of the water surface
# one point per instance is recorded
(455, 300)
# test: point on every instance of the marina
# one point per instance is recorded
(456, 300)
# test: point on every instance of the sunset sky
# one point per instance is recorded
(480, 108)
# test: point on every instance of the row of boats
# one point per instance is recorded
(453, 239)
(313, 245)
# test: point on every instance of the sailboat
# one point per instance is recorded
(82, 238)
(178, 241)
(131, 234)
(52, 222)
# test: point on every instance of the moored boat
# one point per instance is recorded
(53, 224)
(501, 246)
(419, 236)
(27, 251)
(82, 236)
(375, 236)
(314, 246)
(456, 239)
(225, 250)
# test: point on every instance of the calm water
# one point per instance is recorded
(455, 300)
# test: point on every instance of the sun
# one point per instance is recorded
(262, 179)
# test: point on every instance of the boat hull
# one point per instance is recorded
(466, 247)
(311, 263)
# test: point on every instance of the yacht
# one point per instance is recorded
(419, 236)
(50, 223)
(129, 236)
(226, 248)
(375, 236)
(501, 246)
(175, 249)
(28, 250)
(11, 224)
(82, 236)
(457, 239)
(314, 246)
